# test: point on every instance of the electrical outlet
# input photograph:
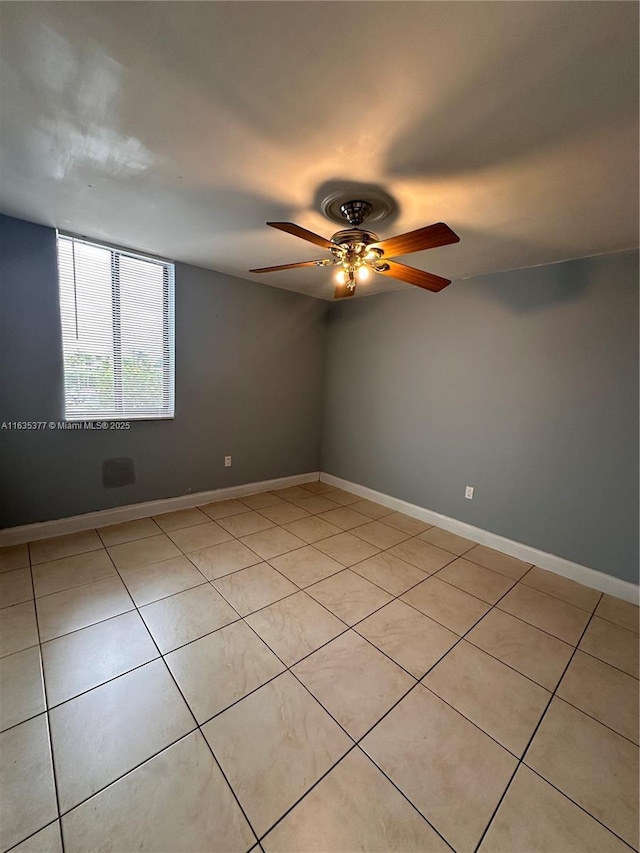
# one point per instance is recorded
(227, 462)
(468, 492)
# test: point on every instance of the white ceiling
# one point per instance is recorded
(181, 128)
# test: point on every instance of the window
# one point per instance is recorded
(116, 309)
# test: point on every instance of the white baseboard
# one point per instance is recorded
(101, 518)
(582, 574)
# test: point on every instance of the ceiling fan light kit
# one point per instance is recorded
(358, 251)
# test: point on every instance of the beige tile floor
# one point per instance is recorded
(308, 671)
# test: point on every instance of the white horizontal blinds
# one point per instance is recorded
(87, 328)
(117, 332)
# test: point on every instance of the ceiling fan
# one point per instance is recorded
(357, 251)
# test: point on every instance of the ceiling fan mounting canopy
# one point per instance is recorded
(337, 196)
(358, 251)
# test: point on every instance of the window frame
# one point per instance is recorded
(168, 332)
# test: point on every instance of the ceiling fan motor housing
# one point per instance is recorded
(355, 236)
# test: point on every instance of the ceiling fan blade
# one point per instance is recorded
(429, 237)
(342, 291)
(414, 276)
(298, 231)
(321, 263)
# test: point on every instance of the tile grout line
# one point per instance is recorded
(54, 559)
(595, 719)
(89, 689)
(112, 575)
(613, 666)
(431, 574)
(326, 496)
(575, 803)
(32, 834)
(531, 625)
(347, 625)
(264, 607)
(46, 712)
(352, 748)
(417, 536)
(400, 699)
(126, 773)
(461, 638)
(368, 731)
(465, 555)
(532, 680)
(316, 700)
(483, 601)
(534, 733)
(420, 681)
(355, 743)
(157, 563)
(409, 536)
(75, 630)
(290, 670)
(287, 669)
(398, 597)
(350, 627)
(300, 589)
(346, 629)
(198, 728)
(353, 626)
(343, 568)
(434, 573)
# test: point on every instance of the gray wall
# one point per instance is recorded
(249, 376)
(522, 384)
